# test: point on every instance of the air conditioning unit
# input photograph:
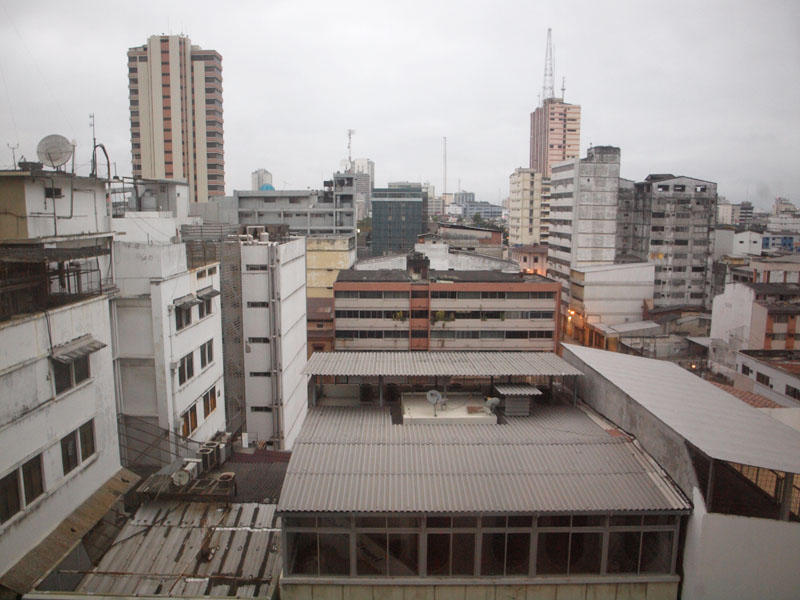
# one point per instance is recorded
(209, 458)
(194, 466)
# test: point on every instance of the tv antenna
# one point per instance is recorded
(434, 397)
(55, 150)
(13, 148)
(350, 133)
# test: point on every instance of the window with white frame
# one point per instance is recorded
(186, 368)
(77, 446)
(206, 353)
(20, 487)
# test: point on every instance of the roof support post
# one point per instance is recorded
(380, 389)
(313, 390)
(710, 484)
(786, 497)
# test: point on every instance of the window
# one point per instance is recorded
(33, 479)
(204, 308)
(206, 353)
(186, 368)
(189, 421)
(261, 409)
(793, 392)
(258, 305)
(209, 401)
(77, 446)
(260, 374)
(746, 370)
(258, 340)
(257, 267)
(67, 375)
(761, 378)
(183, 316)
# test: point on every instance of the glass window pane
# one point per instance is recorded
(463, 554)
(493, 553)
(62, 375)
(626, 520)
(585, 552)
(69, 453)
(518, 553)
(402, 522)
(300, 521)
(588, 520)
(81, 366)
(656, 551)
(623, 551)
(371, 522)
(465, 521)
(438, 554)
(518, 521)
(493, 521)
(32, 479)
(659, 519)
(551, 553)
(554, 521)
(9, 496)
(439, 522)
(403, 554)
(371, 554)
(333, 521)
(87, 439)
(302, 549)
(334, 554)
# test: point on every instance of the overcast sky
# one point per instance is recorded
(705, 89)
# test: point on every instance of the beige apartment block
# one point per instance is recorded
(555, 134)
(528, 207)
(176, 114)
(326, 255)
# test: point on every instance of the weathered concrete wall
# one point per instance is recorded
(664, 445)
(729, 557)
(543, 591)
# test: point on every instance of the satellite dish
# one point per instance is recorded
(434, 396)
(54, 150)
(181, 477)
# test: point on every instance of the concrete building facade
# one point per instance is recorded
(326, 255)
(583, 213)
(416, 309)
(176, 114)
(555, 134)
(670, 221)
(528, 207)
(259, 178)
(266, 363)
(774, 374)
(532, 259)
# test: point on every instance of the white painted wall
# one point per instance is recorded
(151, 277)
(778, 380)
(616, 294)
(731, 315)
(33, 420)
(728, 557)
(746, 243)
(81, 210)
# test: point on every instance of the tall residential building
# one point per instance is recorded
(583, 213)
(528, 207)
(176, 114)
(555, 134)
(367, 167)
(260, 178)
(669, 220)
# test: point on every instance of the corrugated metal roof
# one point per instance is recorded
(465, 364)
(74, 349)
(717, 423)
(159, 551)
(557, 460)
(207, 292)
(512, 389)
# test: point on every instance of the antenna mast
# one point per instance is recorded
(350, 133)
(444, 165)
(13, 148)
(547, 85)
(94, 145)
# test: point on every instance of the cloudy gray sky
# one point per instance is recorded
(708, 89)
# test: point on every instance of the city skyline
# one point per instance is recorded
(675, 91)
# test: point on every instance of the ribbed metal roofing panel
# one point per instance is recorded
(156, 553)
(75, 349)
(464, 364)
(513, 389)
(713, 420)
(558, 459)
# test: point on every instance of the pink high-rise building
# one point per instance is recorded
(555, 134)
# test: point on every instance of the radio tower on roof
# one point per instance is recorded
(547, 86)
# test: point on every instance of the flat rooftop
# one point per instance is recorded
(556, 460)
(439, 276)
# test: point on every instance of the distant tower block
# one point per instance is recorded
(261, 178)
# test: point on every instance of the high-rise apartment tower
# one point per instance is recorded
(555, 125)
(176, 114)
